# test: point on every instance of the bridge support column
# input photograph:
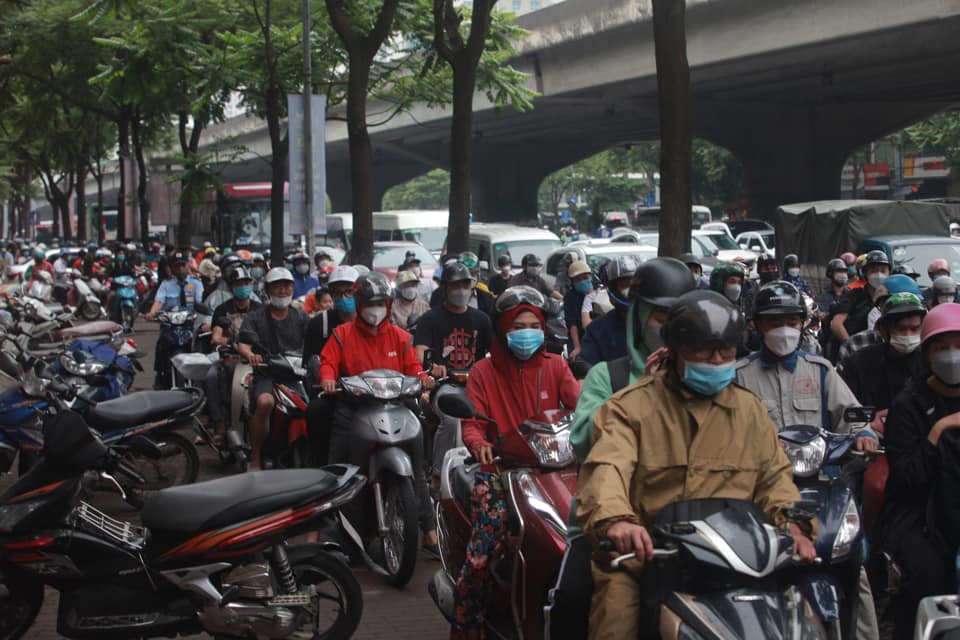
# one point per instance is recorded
(505, 186)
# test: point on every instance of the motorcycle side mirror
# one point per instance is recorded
(203, 308)
(428, 358)
(10, 366)
(456, 405)
(859, 414)
(146, 447)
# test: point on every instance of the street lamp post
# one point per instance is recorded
(308, 131)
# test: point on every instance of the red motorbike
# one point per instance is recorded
(539, 485)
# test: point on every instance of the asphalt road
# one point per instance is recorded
(388, 613)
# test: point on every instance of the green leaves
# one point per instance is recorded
(939, 134)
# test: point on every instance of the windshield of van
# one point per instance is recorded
(430, 237)
(723, 241)
(919, 256)
(388, 257)
(519, 248)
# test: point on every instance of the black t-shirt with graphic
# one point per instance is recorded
(458, 340)
(228, 311)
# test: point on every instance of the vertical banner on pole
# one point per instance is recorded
(297, 156)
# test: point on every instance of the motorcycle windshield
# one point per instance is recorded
(746, 614)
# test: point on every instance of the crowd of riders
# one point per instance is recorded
(682, 385)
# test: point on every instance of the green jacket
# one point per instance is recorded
(595, 390)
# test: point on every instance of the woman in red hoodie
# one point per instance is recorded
(519, 380)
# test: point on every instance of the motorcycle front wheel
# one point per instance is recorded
(179, 463)
(337, 604)
(128, 317)
(400, 511)
(19, 609)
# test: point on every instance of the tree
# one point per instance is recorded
(938, 134)
(673, 88)
(429, 191)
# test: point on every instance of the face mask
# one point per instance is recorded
(256, 272)
(946, 299)
(243, 292)
(708, 379)
(840, 279)
(345, 305)
(732, 291)
(302, 269)
(782, 341)
(525, 342)
(584, 286)
(769, 276)
(374, 315)
(946, 366)
(505, 270)
(876, 279)
(458, 297)
(651, 336)
(793, 272)
(532, 272)
(280, 303)
(851, 272)
(121, 258)
(904, 344)
(408, 293)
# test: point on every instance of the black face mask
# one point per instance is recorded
(769, 276)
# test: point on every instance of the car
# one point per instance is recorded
(716, 226)
(750, 224)
(388, 256)
(702, 248)
(918, 251)
(726, 249)
(492, 240)
(648, 218)
(428, 227)
(762, 242)
(596, 254)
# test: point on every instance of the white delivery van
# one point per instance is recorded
(492, 240)
(428, 227)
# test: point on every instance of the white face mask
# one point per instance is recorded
(782, 341)
(904, 344)
(374, 315)
(459, 297)
(532, 272)
(732, 291)
(408, 293)
(302, 269)
(876, 279)
(946, 299)
(793, 272)
(840, 279)
(946, 366)
(280, 303)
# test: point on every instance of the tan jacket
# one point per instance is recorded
(655, 443)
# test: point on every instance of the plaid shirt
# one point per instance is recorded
(856, 342)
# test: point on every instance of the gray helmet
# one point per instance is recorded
(702, 319)
(372, 287)
(660, 281)
(944, 285)
(836, 265)
(456, 272)
(876, 257)
(779, 298)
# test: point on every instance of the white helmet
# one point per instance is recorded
(344, 273)
(278, 274)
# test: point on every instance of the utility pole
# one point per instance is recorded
(308, 131)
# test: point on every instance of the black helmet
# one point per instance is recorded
(767, 260)
(297, 257)
(238, 273)
(372, 287)
(876, 257)
(530, 259)
(660, 281)
(837, 264)
(791, 261)
(779, 298)
(229, 259)
(504, 260)
(690, 259)
(455, 272)
(701, 319)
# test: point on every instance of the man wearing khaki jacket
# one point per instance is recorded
(682, 434)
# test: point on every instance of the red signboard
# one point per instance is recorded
(876, 174)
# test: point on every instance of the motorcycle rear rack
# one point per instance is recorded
(126, 533)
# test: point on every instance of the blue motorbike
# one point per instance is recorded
(822, 474)
(125, 290)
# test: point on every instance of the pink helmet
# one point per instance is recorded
(938, 265)
(848, 258)
(944, 318)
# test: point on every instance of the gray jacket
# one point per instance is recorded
(795, 389)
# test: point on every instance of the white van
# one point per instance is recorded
(339, 231)
(492, 240)
(429, 228)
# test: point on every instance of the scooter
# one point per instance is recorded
(87, 303)
(287, 446)
(817, 456)
(212, 557)
(176, 330)
(539, 487)
(124, 288)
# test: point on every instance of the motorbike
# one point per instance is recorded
(938, 617)
(539, 486)
(86, 302)
(125, 290)
(177, 332)
(386, 430)
(212, 557)
(818, 456)
(286, 446)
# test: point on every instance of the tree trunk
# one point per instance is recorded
(676, 153)
(361, 160)
(82, 231)
(142, 200)
(461, 156)
(123, 152)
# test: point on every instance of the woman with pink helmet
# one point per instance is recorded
(919, 525)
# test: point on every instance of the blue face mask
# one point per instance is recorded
(708, 379)
(525, 342)
(242, 292)
(584, 286)
(345, 305)
(121, 258)
(256, 272)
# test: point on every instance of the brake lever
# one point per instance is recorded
(658, 554)
(106, 476)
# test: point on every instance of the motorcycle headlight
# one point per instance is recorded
(806, 458)
(551, 443)
(848, 531)
(32, 385)
(385, 388)
(78, 368)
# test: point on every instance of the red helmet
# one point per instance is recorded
(944, 318)
(938, 265)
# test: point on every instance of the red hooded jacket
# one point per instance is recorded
(510, 390)
(354, 349)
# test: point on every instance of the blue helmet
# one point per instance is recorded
(901, 284)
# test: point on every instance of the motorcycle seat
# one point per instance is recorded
(138, 408)
(225, 501)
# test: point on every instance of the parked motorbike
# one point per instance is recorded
(125, 290)
(87, 303)
(817, 456)
(938, 617)
(177, 332)
(539, 486)
(211, 557)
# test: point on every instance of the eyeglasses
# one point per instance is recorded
(703, 355)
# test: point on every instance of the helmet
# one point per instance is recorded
(722, 272)
(469, 259)
(278, 274)
(901, 284)
(456, 272)
(690, 259)
(876, 257)
(779, 298)
(944, 285)
(504, 260)
(903, 304)
(848, 258)
(245, 256)
(938, 265)
(836, 265)
(702, 319)
(513, 297)
(177, 258)
(791, 261)
(231, 258)
(361, 269)
(660, 281)
(372, 287)
(239, 273)
(343, 273)
(578, 268)
(321, 253)
(531, 259)
(623, 266)
(257, 257)
(944, 318)
(299, 257)
(906, 269)
(406, 277)
(767, 260)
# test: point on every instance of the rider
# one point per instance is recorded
(408, 303)
(578, 304)
(498, 281)
(791, 270)
(838, 278)
(944, 290)
(179, 291)
(702, 437)
(303, 282)
(520, 380)
(529, 276)
(768, 268)
(696, 269)
(891, 286)
(227, 320)
(272, 330)
(855, 305)
(727, 278)
(606, 337)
